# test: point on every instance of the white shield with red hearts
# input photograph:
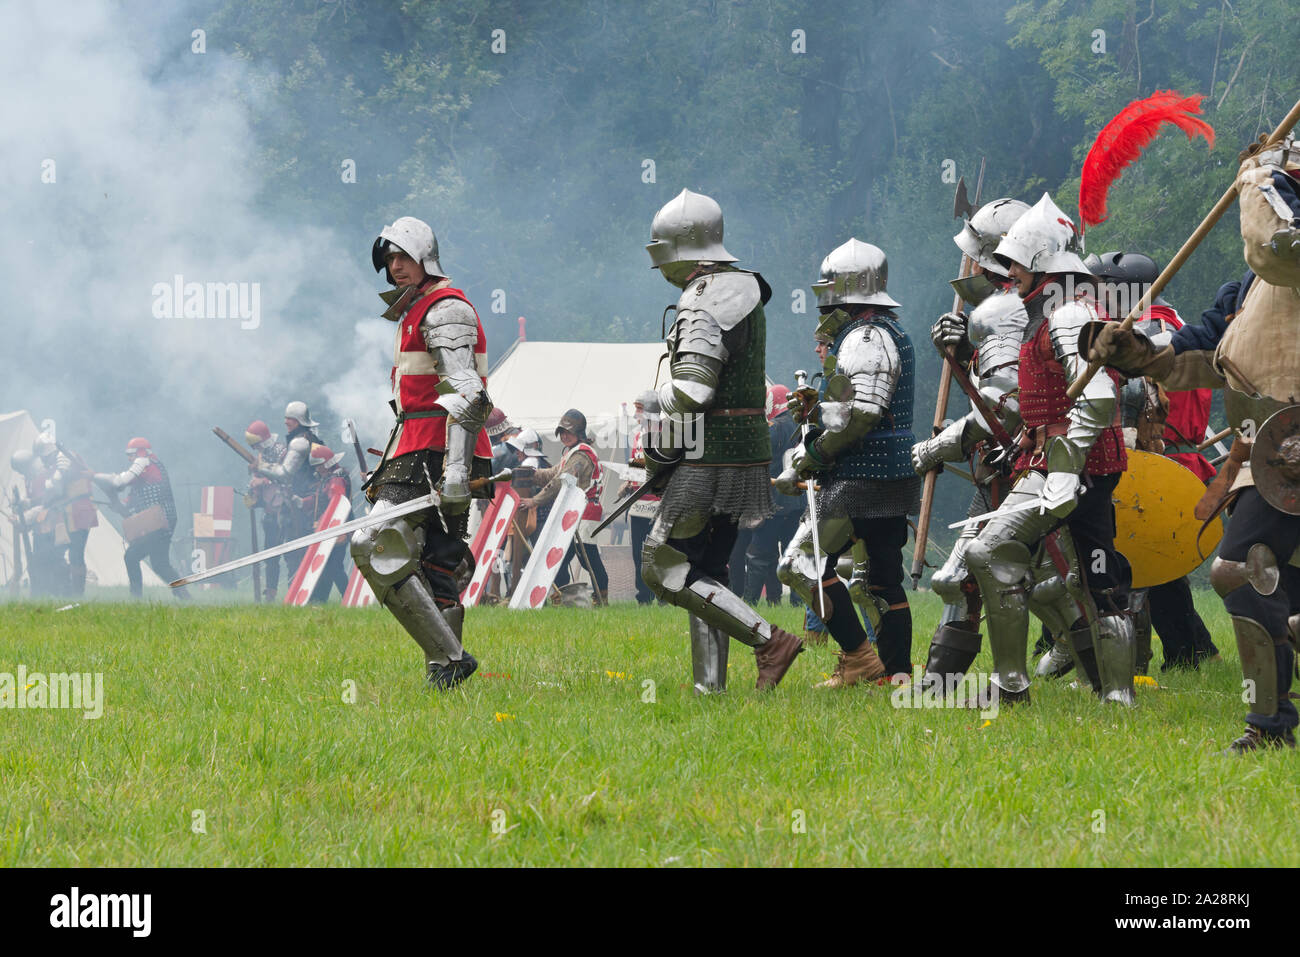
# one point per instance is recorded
(489, 541)
(566, 510)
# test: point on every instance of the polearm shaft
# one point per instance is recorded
(1194, 240)
(251, 459)
(940, 413)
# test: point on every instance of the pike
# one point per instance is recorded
(1194, 240)
(432, 500)
(801, 383)
(251, 459)
(962, 209)
(350, 435)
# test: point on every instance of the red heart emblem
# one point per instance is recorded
(487, 558)
(536, 595)
(473, 588)
(553, 557)
(317, 562)
(569, 519)
(500, 525)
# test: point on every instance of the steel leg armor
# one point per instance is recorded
(388, 555)
(709, 647)
(665, 570)
(1000, 559)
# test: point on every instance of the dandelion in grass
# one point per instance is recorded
(1145, 681)
(617, 675)
(502, 716)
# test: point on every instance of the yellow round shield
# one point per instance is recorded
(1154, 525)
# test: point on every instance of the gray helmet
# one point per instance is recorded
(1042, 240)
(687, 229)
(415, 238)
(1118, 267)
(527, 441)
(575, 422)
(298, 411)
(22, 461)
(855, 272)
(980, 235)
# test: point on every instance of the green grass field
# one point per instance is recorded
(550, 755)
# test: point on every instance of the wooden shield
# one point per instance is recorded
(1154, 525)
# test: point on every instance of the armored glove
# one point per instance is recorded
(1061, 493)
(1129, 352)
(802, 408)
(944, 447)
(454, 490)
(949, 333)
(806, 460)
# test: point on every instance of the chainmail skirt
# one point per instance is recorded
(743, 492)
(869, 498)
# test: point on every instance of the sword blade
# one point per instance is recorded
(432, 500)
(1022, 507)
(623, 505)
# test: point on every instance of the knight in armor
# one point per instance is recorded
(580, 460)
(1059, 508)
(295, 472)
(641, 514)
(987, 343)
(147, 487)
(273, 497)
(41, 525)
(69, 482)
(332, 480)
(716, 352)
(859, 451)
(1246, 345)
(416, 563)
(1165, 423)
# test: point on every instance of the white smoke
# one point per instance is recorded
(130, 160)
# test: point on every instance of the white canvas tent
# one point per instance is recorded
(537, 382)
(104, 548)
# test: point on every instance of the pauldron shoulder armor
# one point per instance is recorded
(726, 296)
(997, 329)
(450, 324)
(869, 357)
(1064, 324)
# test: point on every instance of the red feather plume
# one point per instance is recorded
(1123, 139)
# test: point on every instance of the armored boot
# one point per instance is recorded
(709, 647)
(1266, 665)
(268, 596)
(775, 656)
(1057, 662)
(1009, 642)
(1079, 640)
(862, 664)
(1116, 659)
(873, 606)
(952, 651)
(447, 662)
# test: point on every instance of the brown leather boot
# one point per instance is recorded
(854, 666)
(775, 657)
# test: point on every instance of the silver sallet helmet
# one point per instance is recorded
(980, 234)
(297, 410)
(415, 238)
(1042, 240)
(855, 272)
(687, 229)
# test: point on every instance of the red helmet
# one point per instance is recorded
(322, 456)
(777, 397)
(257, 432)
(138, 447)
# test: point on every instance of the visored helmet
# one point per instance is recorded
(855, 272)
(687, 229)
(1042, 240)
(980, 235)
